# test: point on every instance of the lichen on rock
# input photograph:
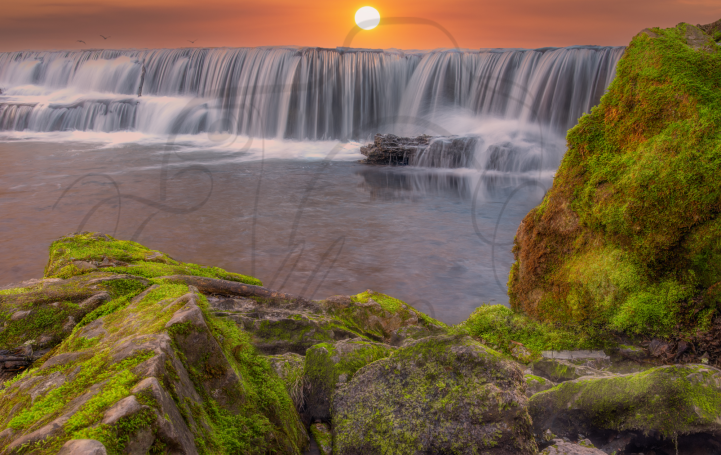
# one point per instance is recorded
(442, 394)
(669, 400)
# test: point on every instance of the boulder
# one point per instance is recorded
(389, 149)
(329, 365)
(441, 394)
(666, 401)
(83, 447)
(564, 370)
(289, 324)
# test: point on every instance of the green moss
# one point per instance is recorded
(671, 400)
(265, 408)
(627, 238)
(141, 261)
(395, 306)
(532, 378)
(323, 437)
(499, 326)
(325, 363)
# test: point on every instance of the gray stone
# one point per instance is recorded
(140, 442)
(561, 447)
(18, 315)
(83, 447)
(564, 370)
(123, 408)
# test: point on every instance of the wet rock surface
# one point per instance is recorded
(389, 149)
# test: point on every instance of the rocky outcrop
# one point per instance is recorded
(624, 241)
(389, 149)
(436, 395)
(642, 409)
(155, 356)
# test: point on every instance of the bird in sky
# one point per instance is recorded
(81, 41)
(196, 39)
(104, 37)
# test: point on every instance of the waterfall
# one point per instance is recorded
(296, 93)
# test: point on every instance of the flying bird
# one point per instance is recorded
(196, 39)
(104, 37)
(81, 41)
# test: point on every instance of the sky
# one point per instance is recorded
(405, 24)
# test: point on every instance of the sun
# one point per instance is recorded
(367, 18)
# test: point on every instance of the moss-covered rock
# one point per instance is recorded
(328, 365)
(323, 437)
(563, 370)
(152, 372)
(504, 330)
(668, 401)
(535, 384)
(443, 394)
(289, 367)
(629, 236)
(87, 252)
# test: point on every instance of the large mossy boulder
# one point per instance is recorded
(628, 238)
(442, 394)
(293, 324)
(137, 364)
(329, 365)
(663, 402)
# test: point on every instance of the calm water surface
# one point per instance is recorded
(306, 226)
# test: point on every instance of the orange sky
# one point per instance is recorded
(57, 24)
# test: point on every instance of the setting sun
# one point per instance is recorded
(367, 18)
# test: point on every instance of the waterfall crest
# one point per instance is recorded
(295, 93)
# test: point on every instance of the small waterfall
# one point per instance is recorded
(297, 93)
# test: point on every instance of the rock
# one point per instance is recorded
(440, 394)
(323, 437)
(660, 348)
(328, 365)
(662, 401)
(564, 370)
(123, 408)
(389, 149)
(537, 384)
(561, 447)
(83, 447)
(84, 265)
(18, 315)
(696, 38)
(140, 442)
(279, 325)
(289, 367)
(711, 29)
(648, 32)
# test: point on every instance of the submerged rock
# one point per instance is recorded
(439, 394)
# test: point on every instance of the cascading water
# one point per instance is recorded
(296, 93)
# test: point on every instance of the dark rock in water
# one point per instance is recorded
(389, 149)
(443, 394)
(448, 152)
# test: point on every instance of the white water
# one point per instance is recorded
(298, 93)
